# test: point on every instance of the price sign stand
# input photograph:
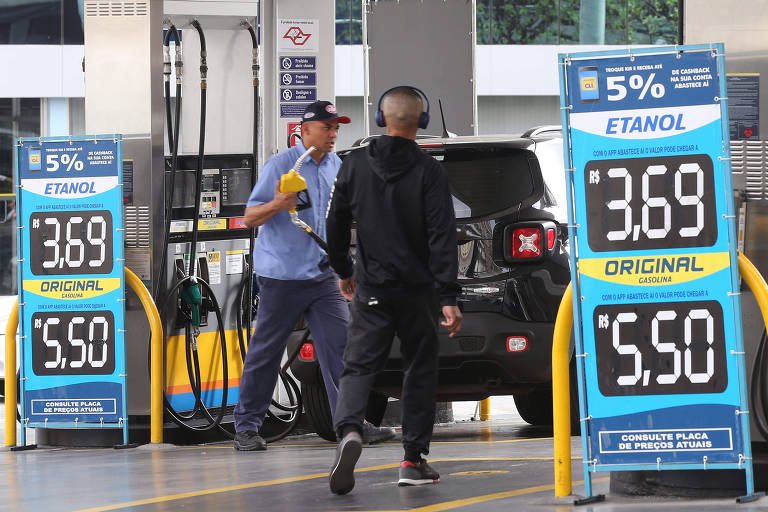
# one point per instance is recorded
(72, 283)
(657, 314)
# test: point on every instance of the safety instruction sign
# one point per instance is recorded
(71, 270)
(660, 346)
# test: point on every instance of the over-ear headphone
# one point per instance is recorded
(423, 120)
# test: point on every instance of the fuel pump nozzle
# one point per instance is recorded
(293, 182)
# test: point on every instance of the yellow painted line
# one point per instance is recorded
(492, 442)
(448, 505)
(313, 445)
(301, 478)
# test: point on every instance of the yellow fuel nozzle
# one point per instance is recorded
(293, 182)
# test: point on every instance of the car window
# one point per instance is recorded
(489, 180)
(550, 156)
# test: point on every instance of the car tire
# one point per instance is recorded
(317, 410)
(535, 407)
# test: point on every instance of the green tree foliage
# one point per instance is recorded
(557, 21)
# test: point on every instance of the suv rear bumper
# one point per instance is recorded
(476, 363)
(473, 365)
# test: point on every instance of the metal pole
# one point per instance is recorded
(10, 375)
(592, 22)
(156, 356)
(561, 406)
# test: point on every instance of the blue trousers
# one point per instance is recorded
(281, 303)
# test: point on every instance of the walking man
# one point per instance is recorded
(405, 270)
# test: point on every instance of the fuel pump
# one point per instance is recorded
(221, 185)
(184, 206)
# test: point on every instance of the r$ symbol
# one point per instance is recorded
(602, 321)
(594, 176)
(38, 323)
(35, 223)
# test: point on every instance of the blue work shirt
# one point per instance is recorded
(282, 250)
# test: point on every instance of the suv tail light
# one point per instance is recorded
(529, 241)
(517, 343)
(307, 352)
(526, 242)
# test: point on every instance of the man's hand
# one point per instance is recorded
(452, 320)
(284, 201)
(347, 287)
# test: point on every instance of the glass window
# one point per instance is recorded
(568, 21)
(557, 21)
(7, 244)
(72, 22)
(349, 22)
(6, 145)
(652, 22)
(342, 21)
(18, 118)
(616, 22)
(517, 22)
(30, 22)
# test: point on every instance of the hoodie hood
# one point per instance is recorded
(391, 157)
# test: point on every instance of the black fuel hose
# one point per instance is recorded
(254, 177)
(759, 388)
(200, 149)
(191, 353)
(173, 146)
(195, 374)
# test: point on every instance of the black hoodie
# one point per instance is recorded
(406, 229)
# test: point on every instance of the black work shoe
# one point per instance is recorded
(417, 474)
(249, 441)
(373, 434)
(342, 477)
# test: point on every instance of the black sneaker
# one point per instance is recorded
(342, 476)
(417, 474)
(249, 441)
(373, 434)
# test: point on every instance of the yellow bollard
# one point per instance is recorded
(156, 364)
(561, 403)
(756, 283)
(485, 409)
(10, 375)
(156, 357)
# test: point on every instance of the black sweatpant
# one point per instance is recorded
(373, 324)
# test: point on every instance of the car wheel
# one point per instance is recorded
(317, 410)
(535, 407)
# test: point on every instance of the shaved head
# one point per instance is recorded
(402, 108)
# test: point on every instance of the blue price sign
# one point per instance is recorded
(71, 271)
(662, 381)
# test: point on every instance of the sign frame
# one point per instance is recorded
(588, 371)
(57, 177)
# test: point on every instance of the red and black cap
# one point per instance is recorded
(323, 111)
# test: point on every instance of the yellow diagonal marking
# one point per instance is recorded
(448, 505)
(301, 478)
(317, 445)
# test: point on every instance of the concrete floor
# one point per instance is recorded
(502, 464)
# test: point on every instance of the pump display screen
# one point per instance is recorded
(78, 242)
(650, 203)
(660, 348)
(236, 187)
(73, 343)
